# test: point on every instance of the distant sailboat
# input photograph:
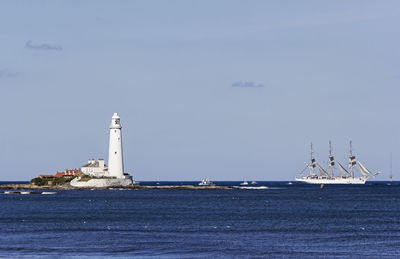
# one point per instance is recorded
(391, 175)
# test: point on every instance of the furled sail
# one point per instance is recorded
(343, 170)
(352, 161)
(322, 171)
(363, 169)
(331, 161)
(313, 162)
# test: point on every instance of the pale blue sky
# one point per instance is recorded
(330, 70)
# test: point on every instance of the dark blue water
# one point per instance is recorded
(284, 221)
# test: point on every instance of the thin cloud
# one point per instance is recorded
(43, 46)
(7, 73)
(247, 84)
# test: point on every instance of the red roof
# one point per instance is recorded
(67, 172)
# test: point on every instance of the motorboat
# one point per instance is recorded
(206, 182)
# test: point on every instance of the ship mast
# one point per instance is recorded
(312, 164)
(391, 175)
(352, 160)
(331, 159)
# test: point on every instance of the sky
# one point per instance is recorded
(225, 90)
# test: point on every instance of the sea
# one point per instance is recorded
(276, 220)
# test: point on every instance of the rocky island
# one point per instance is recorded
(95, 174)
(67, 186)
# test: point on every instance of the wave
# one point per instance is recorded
(28, 192)
(253, 187)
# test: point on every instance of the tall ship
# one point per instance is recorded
(347, 176)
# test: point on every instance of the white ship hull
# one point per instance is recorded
(335, 180)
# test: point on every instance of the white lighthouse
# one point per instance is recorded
(100, 175)
(115, 160)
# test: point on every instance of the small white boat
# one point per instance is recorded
(244, 183)
(254, 182)
(206, 182)
(48, 193)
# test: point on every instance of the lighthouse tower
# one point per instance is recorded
(115, 161)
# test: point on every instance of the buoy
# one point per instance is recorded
(322, 186)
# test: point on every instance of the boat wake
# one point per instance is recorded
(28, 192)
(253, 187)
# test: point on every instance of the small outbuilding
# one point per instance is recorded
(96, 168)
